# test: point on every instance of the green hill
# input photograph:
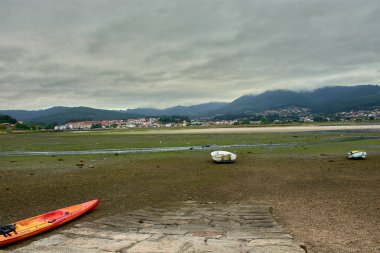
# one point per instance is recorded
(325, 100)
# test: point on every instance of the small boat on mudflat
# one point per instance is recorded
(357, 154)
(221, 156)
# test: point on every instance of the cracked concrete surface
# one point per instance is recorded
(184, 227)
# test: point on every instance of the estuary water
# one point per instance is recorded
(136, 150)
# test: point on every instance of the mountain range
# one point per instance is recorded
(325, 100)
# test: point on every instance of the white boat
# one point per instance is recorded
(357, 154)
(221, 156)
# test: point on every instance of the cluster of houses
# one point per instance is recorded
(303, 115)
(6, 125)
(106, 124)
(359, 115)
(138, 123)
(293, 110)
(120, 124)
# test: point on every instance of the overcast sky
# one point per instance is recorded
(116, 54)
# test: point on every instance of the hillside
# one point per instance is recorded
(60, 115)
(191, 111)
(26, 115)
(265, 101)
(335, 99)
(322, 101)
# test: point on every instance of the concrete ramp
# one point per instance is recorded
(184, 227)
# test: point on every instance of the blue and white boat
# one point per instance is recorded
(357, 154)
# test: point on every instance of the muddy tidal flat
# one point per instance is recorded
(323, 199)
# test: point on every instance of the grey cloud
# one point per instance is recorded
(120, 54)
(11, 54)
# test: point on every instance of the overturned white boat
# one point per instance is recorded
(357, 154)
(221, 156)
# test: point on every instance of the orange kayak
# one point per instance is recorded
(41, 223)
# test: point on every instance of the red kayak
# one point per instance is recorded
(41, 223)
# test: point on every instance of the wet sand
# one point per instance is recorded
(324, 200)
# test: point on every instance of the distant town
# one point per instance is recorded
(280, 116)
(289, 115)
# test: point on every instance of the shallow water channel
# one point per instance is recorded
(137, 150)
(171, 149)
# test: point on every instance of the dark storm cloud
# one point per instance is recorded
(139, 53)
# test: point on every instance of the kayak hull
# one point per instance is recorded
(47, 221)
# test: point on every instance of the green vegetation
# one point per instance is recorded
(22, 126)
(7, 119)
(96, 126)
(173, 119)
